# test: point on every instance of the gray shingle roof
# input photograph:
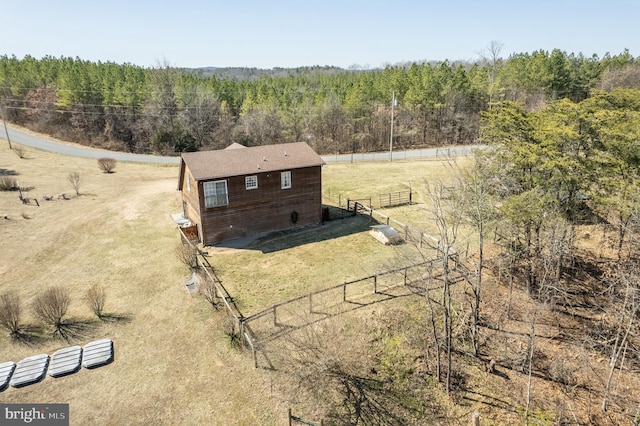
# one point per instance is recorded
(205, 165)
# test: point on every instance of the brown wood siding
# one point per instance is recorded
(267, 208)
(191, 199)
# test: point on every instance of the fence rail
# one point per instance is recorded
(387, 199)
(220, 293)
(297, 419)
(405, 272)
(392, 199)
(411, 235)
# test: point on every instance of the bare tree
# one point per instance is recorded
(445, 212)
(200, 114)
(327, 364)
(96, 297)
(531, 344)
(107, 164)
(491, 56)
(626, 304)
(478, 210)
(74, 180)
(51, 306)
(10, 313)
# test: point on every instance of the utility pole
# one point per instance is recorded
(5, 124)
(393, 104)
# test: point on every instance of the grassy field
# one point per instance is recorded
(173, 364)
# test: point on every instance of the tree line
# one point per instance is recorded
(168, 110)
(555, 195)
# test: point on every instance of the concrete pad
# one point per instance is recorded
(6, 369)
(30, 370)
(97, 353)
(65, 361)
(386, 234)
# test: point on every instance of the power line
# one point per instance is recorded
(91, 112)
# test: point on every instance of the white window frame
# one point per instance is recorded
(251, 182)
(215, 193)
(188, 182)
(285, 180)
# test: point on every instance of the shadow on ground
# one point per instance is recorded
(340, 225)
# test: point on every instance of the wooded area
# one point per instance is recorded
(168, 110)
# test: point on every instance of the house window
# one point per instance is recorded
(215, 193)
(285, 178)
(188, 182)
(251, 182)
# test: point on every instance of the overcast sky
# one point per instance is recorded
(279, 33)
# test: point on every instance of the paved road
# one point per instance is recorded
(401, 155)
(76, 150)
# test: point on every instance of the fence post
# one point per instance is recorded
(241, 331)
(255, 356)
(310, 303)
(289, 416)
(375, 284)
(410, 197)
(475, 419)
(275, 316)
(344, 291)
(405, 275)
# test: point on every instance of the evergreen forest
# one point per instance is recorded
(168, 110)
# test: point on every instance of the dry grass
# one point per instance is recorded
(172, 365)
(172, 362)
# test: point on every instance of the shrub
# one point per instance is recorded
(19, 150)
(208, 291)
(51, 306)
(8, 183)
(10, 313)
(74, 180)
(96, 297)
(187, 254)
(107, 164)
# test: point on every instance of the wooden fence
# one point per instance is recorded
(280, 318)
(392, 199)
(411, 235)
(387, 199)
(221, 294)
(300, 420)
